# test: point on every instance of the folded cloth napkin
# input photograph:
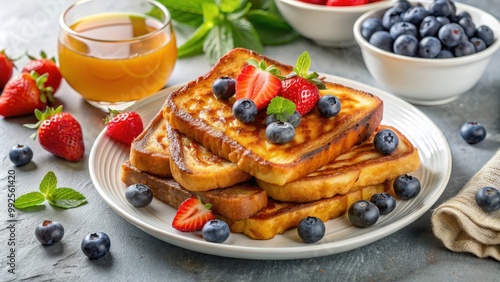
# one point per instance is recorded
(462, 225)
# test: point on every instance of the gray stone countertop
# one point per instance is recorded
(411, 254)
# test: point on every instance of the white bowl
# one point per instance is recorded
(427, 81)
(325, 25)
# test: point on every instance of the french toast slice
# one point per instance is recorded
(149, 151)
(194, 111)
(235, 203)
(361, 166)
(279, 217)
(197, 169)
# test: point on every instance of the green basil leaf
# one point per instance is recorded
(67, 198)
(219, 41)
(194, 45)
(244, 35)
(48, 183)
(272, 29)
(29, 200)
(186, 12)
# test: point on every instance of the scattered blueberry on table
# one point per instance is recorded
(20, 155)
(49, 232)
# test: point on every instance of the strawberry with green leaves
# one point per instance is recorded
(123, 127)
(258, 82)
(192, 215)
(59, 133)
(25, 93)
(302, 87)
(45, 65)
(6, 68)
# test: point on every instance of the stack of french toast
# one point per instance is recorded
(195, 147)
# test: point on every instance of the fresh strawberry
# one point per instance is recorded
(6, 68)
(192, 215)
(59, 133)
(123, 127)
(302, 87)
(23, 94)
(258, 83)
(45, 65)
(346, 2)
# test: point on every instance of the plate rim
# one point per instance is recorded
(280, 253)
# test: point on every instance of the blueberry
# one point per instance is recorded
(429, 47)
(473, 132)
(450, 34)
(311, 229)
(406, 45)
(370, 26)
(96, 245)
(382, 40)
(280, 132)
(363, 213)
(488, 199)
(392, 16)
(139, 195)
(468, 25)
(486, 34)
(294, 119)
(20, 155)
(245, 110)
(443, 54)
(401, 28)
(403, 4)
(385, 202)
(386, 141)
(224, 87)
(49, 232)
(442, 20)
(406, 186)
(216, 231)
(328, 106)
(464, 14)
(429, 26)
(464, 49)
(415, 15)
(479, 44)
(440, 8)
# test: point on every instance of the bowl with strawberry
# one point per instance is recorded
(327, 23)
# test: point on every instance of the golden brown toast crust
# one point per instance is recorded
(236, 202)
(149, 151)
(363, 165)
(278, 216)
(197, 169)
(194, 111)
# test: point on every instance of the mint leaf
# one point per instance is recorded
(186, 12)
(66, 198)
(29, 200)
(194, 45)
(281, 107)
(210, 12)
(244, 35)
(272, 29)
(229, 6)
(303, 64)
(48, 183)
(219, 41)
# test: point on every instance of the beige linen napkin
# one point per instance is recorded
(462, 225)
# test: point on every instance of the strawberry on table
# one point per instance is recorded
(123, 127)
(258, 82)
(192, 215)
(302, 87)
(59, 133)
(24, 93)
(45, 65)
(6, 68)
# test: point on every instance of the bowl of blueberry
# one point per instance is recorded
(327, 23)
(427, 52)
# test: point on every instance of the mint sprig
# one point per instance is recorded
(221, 25)
(302, 69)
(281, 107)
(63, 197)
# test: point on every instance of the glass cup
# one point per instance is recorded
(114, 53)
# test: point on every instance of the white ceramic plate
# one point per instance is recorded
(107, 156)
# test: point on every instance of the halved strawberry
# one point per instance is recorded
(258, 82)
(192, 215)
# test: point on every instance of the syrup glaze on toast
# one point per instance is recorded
(235, 203)
(194, 111)
(363, 165)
